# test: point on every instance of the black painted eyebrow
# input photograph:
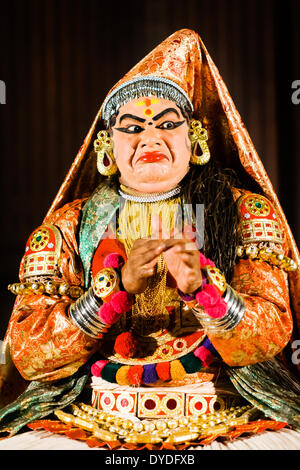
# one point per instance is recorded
(165, 111)
(136, 118)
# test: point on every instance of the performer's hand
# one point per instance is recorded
(141, 263)
(182, 258)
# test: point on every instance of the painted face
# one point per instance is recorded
(151, 144)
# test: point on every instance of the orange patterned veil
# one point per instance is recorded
(183, 59)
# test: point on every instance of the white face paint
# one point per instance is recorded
(151, 144)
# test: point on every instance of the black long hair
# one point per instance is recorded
(213, 187)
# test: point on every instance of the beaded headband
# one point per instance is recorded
(144, 86)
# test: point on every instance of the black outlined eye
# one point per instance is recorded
(133, 129)
(169, 125)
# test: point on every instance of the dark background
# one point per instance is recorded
(60, 58)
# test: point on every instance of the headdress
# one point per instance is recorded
(144, 86)
(181, 69)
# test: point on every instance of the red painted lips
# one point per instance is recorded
(150, 157)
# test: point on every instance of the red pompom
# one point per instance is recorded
(163, 371)
(122, 301)
(205, 261)
(218, 310)
(126, 345)
(114, 260)
(208, 297)
(97, 368)
(204, 355)
(107, 314)
(135, 375)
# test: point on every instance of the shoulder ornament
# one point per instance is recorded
(42, 252)
(261, 234)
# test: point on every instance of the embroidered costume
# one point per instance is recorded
(161, 353)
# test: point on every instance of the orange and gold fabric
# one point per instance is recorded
(267, 324)
(183, 58)
(45, 345)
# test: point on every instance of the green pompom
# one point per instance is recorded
(191, 363)
(108, 372)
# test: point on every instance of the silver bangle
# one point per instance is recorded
(235, 313)
(80, 313)
(82, 326)
(83, 313)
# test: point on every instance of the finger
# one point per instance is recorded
(189, 232)
(150, 266)
(189, 259)
(146, 271)
(156, 227)
(144, 259)
(191, 246)
(177, 234)
(143, 246)
(180, 245)
(159, 231)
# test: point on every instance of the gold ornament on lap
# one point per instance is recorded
(105, 159)
(198, 137)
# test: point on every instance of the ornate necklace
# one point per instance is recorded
(130, 195)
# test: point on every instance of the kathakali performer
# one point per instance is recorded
(164, 277)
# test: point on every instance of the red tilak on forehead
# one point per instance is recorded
(147, 102)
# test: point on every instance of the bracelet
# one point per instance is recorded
(84, 314)
(267, 254)
(235, 312)
(216, 305)
(104, 303)
(49, 287)
(209, 296)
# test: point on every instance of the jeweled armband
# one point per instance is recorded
(266, 254)
(45, 286)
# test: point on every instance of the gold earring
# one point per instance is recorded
(198, 137)
(105, 158)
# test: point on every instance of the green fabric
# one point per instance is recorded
(39, 400)
(191, 363)
(270, 387)
(96, 215)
